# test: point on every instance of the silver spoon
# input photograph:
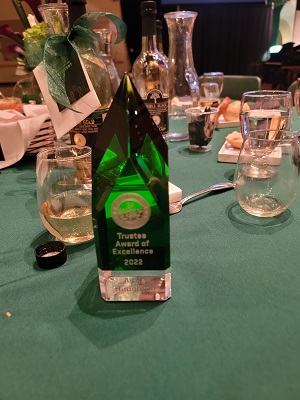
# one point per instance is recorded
(177, 205)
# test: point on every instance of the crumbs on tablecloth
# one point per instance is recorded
(8, 314)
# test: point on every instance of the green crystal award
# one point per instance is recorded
(131, 202)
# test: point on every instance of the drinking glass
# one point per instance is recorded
(211, 94)
(265, 109)
(297, 97)
(213, 77)
(258, 191)
(64, 192)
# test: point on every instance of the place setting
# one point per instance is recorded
(264, 149)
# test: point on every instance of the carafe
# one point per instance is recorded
(183, 80)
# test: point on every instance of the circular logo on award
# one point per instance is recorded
(79, 139)
(130, 211)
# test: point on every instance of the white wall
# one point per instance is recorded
(286, 24)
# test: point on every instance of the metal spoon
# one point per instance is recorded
(177, 206)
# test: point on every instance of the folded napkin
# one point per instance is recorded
(18, 130)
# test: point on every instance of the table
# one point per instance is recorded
(230, 330)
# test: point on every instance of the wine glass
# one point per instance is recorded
(213, 77)
(211, 96)
(258, 192)
(64, 192)
(297, 97)
(266, 109)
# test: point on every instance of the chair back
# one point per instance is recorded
(236, 85)
(292, 89)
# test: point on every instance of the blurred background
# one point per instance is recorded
(254, 37)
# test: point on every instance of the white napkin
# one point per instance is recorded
(18, 130)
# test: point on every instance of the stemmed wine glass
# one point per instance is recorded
(214, 77)
(266, 109)
(257, 191)
(297, 97)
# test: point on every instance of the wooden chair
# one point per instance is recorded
(236, 85)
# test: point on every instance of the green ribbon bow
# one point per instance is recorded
(54, 50)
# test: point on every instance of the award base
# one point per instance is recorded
(135, 285)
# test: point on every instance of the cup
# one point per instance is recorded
(266, 109)
(217, 77)
(210, 90)
(210, 94)
(64, 192)
(201, 122)
(266, 178)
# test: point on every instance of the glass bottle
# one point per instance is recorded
(183, 80)
(105, 50)
(150, 70)
(55, 16)
(84, 134)
(95, 66)
(131, 202)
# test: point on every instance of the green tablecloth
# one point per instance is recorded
(230, 331)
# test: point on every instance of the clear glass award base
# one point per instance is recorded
(135, 285)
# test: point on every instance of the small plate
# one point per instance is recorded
(226, 124)
(230, 154)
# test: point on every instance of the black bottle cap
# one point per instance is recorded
(51, 255)
(148, 13)
(148, 7)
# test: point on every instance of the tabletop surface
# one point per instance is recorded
(229, 332)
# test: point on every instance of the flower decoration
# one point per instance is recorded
(33, 26)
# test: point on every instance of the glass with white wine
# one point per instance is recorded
(64, 192)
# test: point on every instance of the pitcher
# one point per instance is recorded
(183, 80)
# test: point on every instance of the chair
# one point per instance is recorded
(236, 85)
(292, 89)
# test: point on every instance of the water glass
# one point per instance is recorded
(64, 192)
(211, 94)
(265, 109)
(267, 172)
(213, 77)
(297, 97)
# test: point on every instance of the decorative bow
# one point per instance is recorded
(53, 50)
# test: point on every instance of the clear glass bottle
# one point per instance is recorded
(183, 79)
(105, 50)
(84, 134)
(55, 16)
(150, 70)
(131, 202)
